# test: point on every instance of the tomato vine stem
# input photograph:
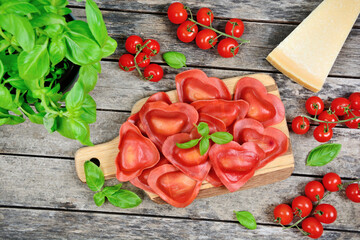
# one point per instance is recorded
(135, 63)
(322, 121)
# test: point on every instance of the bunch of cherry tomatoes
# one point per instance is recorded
(342, 110)
(206, 38)
(139, 57)
(302, 206)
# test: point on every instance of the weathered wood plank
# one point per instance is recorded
(52, 183)
(273, 11)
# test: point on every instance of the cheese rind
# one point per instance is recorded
(309, 52)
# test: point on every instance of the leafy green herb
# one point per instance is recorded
(203, 129)
(124, 199)
(246, 219)
(204, 145)
(99, 198)
(189, 144)
(94, 176)
(175, 59)
(221, 137)
(323, 154)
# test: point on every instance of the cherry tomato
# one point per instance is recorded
(353, 123)
(331, 182)
(205, 16)
(313, 189)
(133, 43)
(234, 27)
(339, 106)
(313, 226)
(355, 101)
(187, 31)
(283, 214)
(353, 192)
(228, 48)
(300, 125)
(301, 204)
(142, 60)
(314, 105)
(153, 47)
(206, 39)
(322, 133)
(177, 13)
(325, 213)
(329, 117)
(153, 72)
(126, 62)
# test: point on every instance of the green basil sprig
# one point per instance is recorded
(175, 59)
(118, 197)
(203, 130)
(323, 154)
(246, 219)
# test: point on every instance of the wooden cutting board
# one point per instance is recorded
(277, 170)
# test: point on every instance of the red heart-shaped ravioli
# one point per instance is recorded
(213, 179)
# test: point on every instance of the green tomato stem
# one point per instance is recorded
(136, 65)
(321, 121)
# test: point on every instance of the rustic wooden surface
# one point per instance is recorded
(42, 198)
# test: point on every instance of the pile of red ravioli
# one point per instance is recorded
(149, 158)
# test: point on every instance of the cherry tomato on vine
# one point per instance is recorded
(234, 27)
(314, 105)
(187, 31)
(153, 72)
(313, 189)
(325, 213)
(206, 39)
(353, 123)
(283, 214)
(152, 48)
(228, 48)
(301, 204)
(339, 106)
(313, 226)
(177, 13)
(353, 192)
(322, 133)
(355, 101)
(142, 60)
(331, 182)
(329, 117)
(300, 125)
(133, 43)
(205, 16)
(126, 62)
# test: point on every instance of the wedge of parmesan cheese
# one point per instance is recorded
(308, 53)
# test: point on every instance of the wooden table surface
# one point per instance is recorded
(42, 198)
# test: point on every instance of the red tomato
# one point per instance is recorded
(136, 153)
(329, 117)
(325, 213)
(322, 133)
(206, 39)
(283, 214)
(213, 179)
(187, 31)
(152, 48)
(265, 108)
(271, 140)
(177, 13)
(142, 60)
(234, 27)
(235, 164)
(353, 123)
(153, 72)
(355, 101)
(339, 106)
(313, 226)
(353, 192)
(133, 43)
(302, 206)
(205, 16)
(331, 182)
(300, 125)
(228, 48)
(126, 62)
(173, 186)
(313, 189)
(161, 120)
(189, 161)
(193, 85)
(314, 105)
(215, 125)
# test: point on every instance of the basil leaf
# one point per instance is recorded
(75, 98)
(175, 59)
(50, 122)
(96, 22)
(99, 198)
(109, 47)
(48, 19)
(108, 191)
(57, 51)
(74, 129)
(88, 108)
(323, 154)
(124, 199)
(3, 45)
(246, 219)
(203, 129)
(221, 137)
(11, 120)
(6, 100)
(189, 144)
(54, 30)
(17, 7)
(94, 176)
(64, 11)
(33, 117)
(88, 77)
(82, 28)
(17, 82)
(204, 145)
(2, 70)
